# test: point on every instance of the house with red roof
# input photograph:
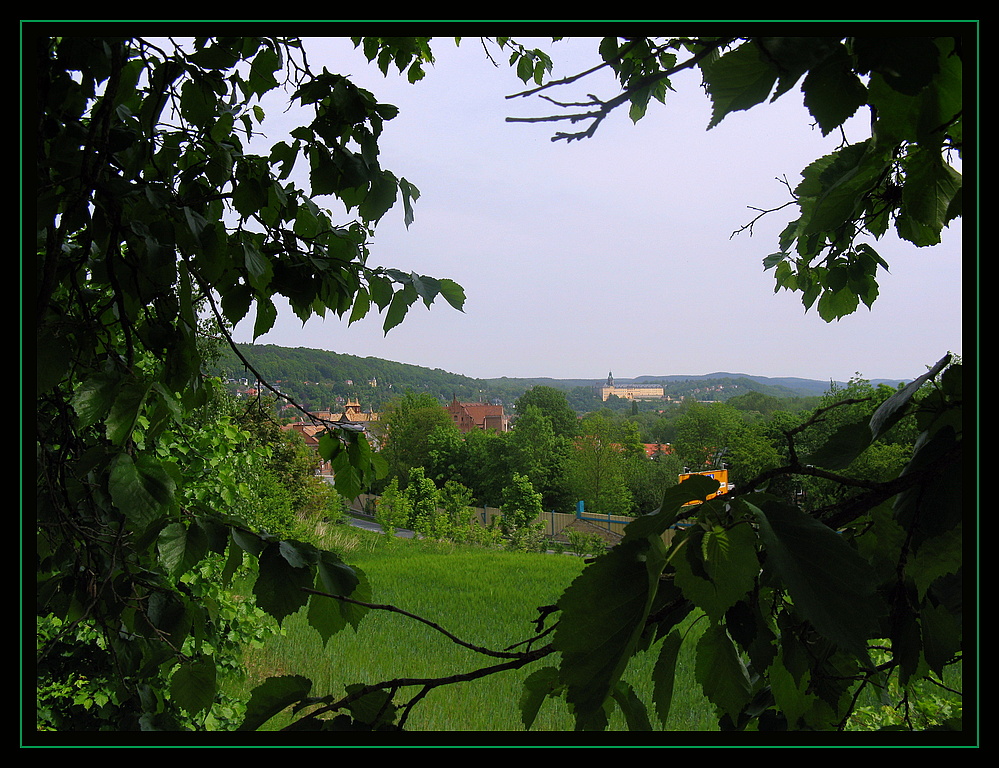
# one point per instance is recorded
(469, 416)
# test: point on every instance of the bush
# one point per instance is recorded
(528, 538)
(585, 543)
(393, 508)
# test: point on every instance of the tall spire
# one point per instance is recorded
(610, 379)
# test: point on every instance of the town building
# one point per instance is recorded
(630, 392)
(352, 417)
(351, 414)
(469, 416)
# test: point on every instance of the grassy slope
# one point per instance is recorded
(486, 598)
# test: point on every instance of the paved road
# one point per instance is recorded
(370, 525)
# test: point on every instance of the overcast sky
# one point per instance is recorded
(614, 254)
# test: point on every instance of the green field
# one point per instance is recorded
(488, 598)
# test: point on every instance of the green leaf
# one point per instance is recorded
(236, 302)
(740, 79)
(843, 446)
(265, 318)
(721, 673)
(750, 628)
(833, 91)
(930, 187)
(525, 68)
(182, 547)
(834, 305)
(52, 360)
(141, 489)
(603, 615)
(374, 708)
(271, 697)
(362, 303)
(409, 195)
(194, 684)
(539, 685)
(844, 180)
(298, 554)
(639, 104)
(279, 585)
(453, 293)
(285, 155)
(399, 306)
(258, 267)
(198, 103)
(380, 197)
(94, 397)
(664, 675)
(936, 504)
(329, 616)
(306, 222)
(632, 707)
(895, 407)
(694, 488)
(262, 79)
(941, 636)
(774, 259)
(791, 696)
(719, 567)
(170, 616)
(908, 64)
(125, 412)
(831, 585)
(942, 555)
(427, 288)
(380, 288)
(248, 541)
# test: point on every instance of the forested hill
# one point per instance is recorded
(315, 378)
(319, 380)
(791, 386)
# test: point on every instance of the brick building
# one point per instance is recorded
(469, 416)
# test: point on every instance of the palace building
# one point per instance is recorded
(630, 392)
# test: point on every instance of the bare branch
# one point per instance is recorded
(606, 107)
(415, 617)
(765, 211)
(427, 683)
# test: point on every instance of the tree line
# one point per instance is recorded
(617, 462)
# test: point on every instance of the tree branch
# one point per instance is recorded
(427, 684)
(606, 107)
(393, 609)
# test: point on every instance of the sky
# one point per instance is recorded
(615, 253)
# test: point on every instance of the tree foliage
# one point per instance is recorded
(149, 211)
(521, 503)
(553, 405)
(408, 424)
(596, 466)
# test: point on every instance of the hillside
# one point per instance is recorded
(322, 380)
(796, 387)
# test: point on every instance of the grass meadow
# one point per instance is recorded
(488, 598)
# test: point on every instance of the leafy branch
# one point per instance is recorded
(636, 87)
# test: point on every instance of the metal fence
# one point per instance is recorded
(555, 522)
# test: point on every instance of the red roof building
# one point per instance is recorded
(469, 416)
